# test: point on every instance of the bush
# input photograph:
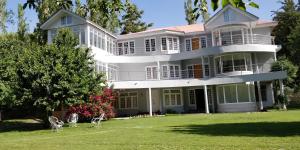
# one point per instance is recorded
(95, 106)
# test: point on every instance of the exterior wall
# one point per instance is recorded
(241, 107)
(136, 72)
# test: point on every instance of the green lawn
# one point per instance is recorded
(270, 130)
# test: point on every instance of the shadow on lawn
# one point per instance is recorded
(8, 126)
(251, 129)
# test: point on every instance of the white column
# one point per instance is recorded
(220, 40)
(261, 107)
(106, 71)
(150, 102)
(206, 99)
(158, 70)
(272, 93)
(212, 38)
(243, 36)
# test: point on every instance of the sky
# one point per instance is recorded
(162, 13)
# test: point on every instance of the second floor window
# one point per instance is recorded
(65, 20)
(150, 45)
(169, 43)
(151, 72)
(171, 71)
(126, 48)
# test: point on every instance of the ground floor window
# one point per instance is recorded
(236, 93)
(128, 100)
(172, 97)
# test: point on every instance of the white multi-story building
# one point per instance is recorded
(223, 65)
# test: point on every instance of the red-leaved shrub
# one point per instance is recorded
(95, 106)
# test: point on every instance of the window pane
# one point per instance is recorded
(126, 48)
(227, 63)
(203, 42)
(177, 71)
(63, 20)
(149, 72)
(218, 65)
(175, 91)
(206, 67)
(230, 94)
(220, 95)
(132, 45)
(190, 72)
(243, 94)
(82, 38)
(172, 71)
(165, 72)
(147, 45)
(91, 37)
(175, 44)
(252, 91)
(120, 48)
(188, 45)
(153, 44)
(167, 100)
(122, 102)
(239, 62)
(129, 103)
(154, 72)
(173, 99)
(134, 101)
(192, 97)
(178, 99)
(170, 40)
(95, 38)
(164, 43)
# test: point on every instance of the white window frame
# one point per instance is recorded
(129, 47)
(185, 43)
(169, 94)
(187, 69)
(128, 93)
(167, 43)
(201, 46)
(151, 73)
(169, 71)
(194, 91)
(150, 44)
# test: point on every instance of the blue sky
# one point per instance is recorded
(160, 12)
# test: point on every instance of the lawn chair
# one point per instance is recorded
(73, 119)
(96, 121)
(55, 123)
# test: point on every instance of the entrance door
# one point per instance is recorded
(200, 102)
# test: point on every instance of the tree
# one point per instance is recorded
(80, 9)
(5, 16)
(64, 4)
(131, 20)
(56, 75)
(22, 26)
(189, 13)
(201, 5)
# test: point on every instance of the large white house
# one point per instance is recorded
(223, 65)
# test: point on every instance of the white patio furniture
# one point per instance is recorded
(73, 119)
(55, 123)
(96, 121)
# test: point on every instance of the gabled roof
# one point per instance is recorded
(61, 11)
(246, 13)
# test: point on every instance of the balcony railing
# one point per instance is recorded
(193, 73)
(239, 39)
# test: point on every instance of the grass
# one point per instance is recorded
(268, 130)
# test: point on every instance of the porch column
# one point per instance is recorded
(261, 107)
(206, 99)
(220, 40)
(158, 70)
(272, 92)
(212, 38)
(150, 101)
(106, 71)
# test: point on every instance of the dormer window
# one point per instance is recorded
(65, 20)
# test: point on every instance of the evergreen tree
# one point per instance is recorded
(5, 16)
(190, 17)
(131, 20)
(22, 26)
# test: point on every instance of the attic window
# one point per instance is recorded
(65, 20)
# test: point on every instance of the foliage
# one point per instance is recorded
(283, 99)
(22, 26)
(201, 5)
(286, 65)
(5, 16)
(95, 106)
(190, 17)
(57, 74)
(131, 22)
(81, 10)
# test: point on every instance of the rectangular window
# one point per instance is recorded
(190, 71)
(165, 71)
(164, 44)
(192, 97)
(195, 43)
(176, 45)
(126, 46)
(82, 36)
(203, 42)
(128, 100)
(206, 66)
(99, 40)
(120, 48)
(243, 93)
(150, 45)
(147, 45)
(172, 97)
(132, 47)
(220, 95)
(91, 36)
(188, 45)
(103, 41)
(153, 45)
(151, 73)
(230, 94)
(170, 41)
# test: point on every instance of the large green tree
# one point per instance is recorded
(131, 19)
(56, 75)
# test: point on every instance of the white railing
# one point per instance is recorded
(240, 39)
(195, 73)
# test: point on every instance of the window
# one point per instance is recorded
(188, 44)
(190, 70)
(103, 42)
(172, 97)
(128, 100)
(206, 66)
(91, 36)
(233, 62)
(170, 43)
(99, 40)
(165, 71)
(150, 45)
(65, 20)
(95, 38)
(171, 71)
(192, 97)
(236, 93)
(195, 43)
(129, 47)
(151, 72)
(203, 42)
(226, 16)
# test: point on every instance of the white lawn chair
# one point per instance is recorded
(96, 121)
(55, 123)
(73, 119)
